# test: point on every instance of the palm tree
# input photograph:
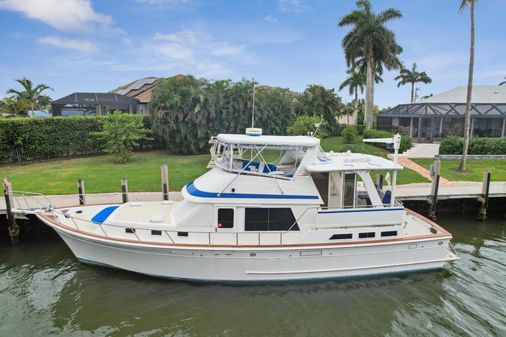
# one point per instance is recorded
(467, 123)
(371, 40)
(503, 82)
(354, 82)
(14, 106)
(412, 76)
(32, 94)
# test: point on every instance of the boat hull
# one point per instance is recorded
(214, 264)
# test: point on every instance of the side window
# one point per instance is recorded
(269, 219)
(225, 218)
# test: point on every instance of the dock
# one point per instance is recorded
(408, 192)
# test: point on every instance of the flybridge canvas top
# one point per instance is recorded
(352, 162)
(269, 140)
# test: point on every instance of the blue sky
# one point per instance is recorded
(84, 45)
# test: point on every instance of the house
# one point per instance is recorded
(438, 116)
(93, 104)
(141, 89)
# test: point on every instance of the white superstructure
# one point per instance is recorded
(270, 208)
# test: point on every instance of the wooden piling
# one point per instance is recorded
(124, 190)
(433, 197)
(379, 181)
(165, 181)
(434, 189)
(9, 204)
(80, 191)
(485, 190)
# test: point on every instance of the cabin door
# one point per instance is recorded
(321, 181)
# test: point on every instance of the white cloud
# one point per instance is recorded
(63, 15)
(293, 6)
(195, 51)
(73, 44)
(270, 18)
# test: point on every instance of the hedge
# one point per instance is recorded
(455, 145)
(373, 133)
(34, 139)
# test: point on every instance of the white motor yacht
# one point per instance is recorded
(271, 208)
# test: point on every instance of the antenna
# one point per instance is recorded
(253, 108)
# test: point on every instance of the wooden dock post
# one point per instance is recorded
(379, 181)
(485, 190)
(9, 203)
(124, 190)
(80, 191)
(434, 189)
(165, 181)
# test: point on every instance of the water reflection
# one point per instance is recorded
(44, 291)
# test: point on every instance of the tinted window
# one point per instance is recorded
(269, 219)
(341, 236)
(389, 233)
(366, 235)
(225, 218)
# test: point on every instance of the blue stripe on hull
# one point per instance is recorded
(194, 191)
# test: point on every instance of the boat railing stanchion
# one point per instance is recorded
(168, 235)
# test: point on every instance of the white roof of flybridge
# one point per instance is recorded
(348, 161)
(269, 140)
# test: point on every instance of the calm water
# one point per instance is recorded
(45, 292)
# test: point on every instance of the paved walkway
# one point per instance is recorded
(406, 162)
(422, 150)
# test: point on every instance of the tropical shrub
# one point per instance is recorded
(373, 133)
(121, 134)
(186, 111)
(349, 134)
(486, 146)
(303, 125)
(316, 100)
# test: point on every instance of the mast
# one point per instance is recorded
(253, 108)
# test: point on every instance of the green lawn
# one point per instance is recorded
(475, 168)
(101, 175)
(143, 172)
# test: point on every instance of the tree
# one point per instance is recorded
(122, 133)
(467, 123)
(503, 82)
(412, 76)
(354, 82)
(14, 106)
(371, 40)
(316, 100)
(32, 94)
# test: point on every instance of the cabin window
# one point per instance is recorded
(226, 218)
(269, 219)
(341, 236)
(182, 233)
(155, 232)
(130, 230)
(389, 233)
(366, 235)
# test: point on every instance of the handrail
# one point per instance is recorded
(169, 232)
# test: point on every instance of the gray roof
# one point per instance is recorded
(480, 94)
(95, 98)
(487, 101)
